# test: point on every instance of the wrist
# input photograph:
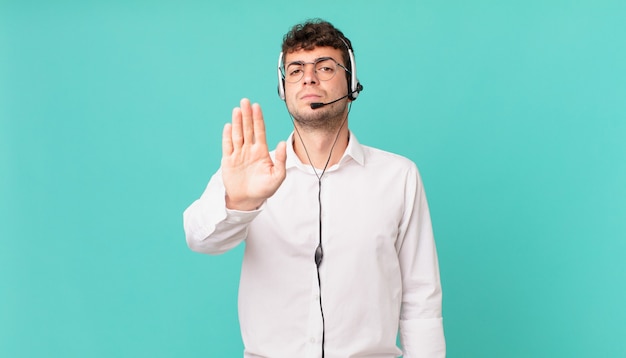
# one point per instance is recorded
(243, 204)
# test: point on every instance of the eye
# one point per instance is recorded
(294, 72)
(325, 67)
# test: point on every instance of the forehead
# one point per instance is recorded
(312, 55)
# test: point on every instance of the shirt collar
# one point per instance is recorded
(354, 151)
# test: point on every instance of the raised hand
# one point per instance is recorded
(249, 174)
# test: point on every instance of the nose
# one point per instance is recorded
(310, 76)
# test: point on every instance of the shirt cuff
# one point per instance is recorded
(242, 217)
(423, 338)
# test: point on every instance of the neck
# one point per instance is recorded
(320, 147)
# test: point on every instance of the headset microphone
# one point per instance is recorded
(316, 105)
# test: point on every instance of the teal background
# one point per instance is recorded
(110, 125)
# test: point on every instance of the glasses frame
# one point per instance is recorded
(303, 64)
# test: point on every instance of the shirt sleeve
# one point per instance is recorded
(210, 227)
(421, 323)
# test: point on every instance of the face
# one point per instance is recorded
(310, 88)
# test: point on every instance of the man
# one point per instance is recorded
(339, 246)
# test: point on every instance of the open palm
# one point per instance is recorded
(250, 175)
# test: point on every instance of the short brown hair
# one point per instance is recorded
(317, 33)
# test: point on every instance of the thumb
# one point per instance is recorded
(280, 156)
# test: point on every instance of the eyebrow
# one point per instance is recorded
(314, 61)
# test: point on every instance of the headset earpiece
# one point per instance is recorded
(281, 78)
(355, 86)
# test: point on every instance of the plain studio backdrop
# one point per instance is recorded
(110, 126)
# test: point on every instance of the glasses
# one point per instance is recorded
(324, 67)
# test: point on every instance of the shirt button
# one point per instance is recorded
(316, 297)
(312, 340)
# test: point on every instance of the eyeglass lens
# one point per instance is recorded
(325, 69)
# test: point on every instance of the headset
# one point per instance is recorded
(353, 82)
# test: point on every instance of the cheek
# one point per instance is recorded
(290, 91)
(341, 84)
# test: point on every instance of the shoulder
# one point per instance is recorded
(390, 167)
(377, 157)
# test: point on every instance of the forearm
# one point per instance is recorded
(421, 322)
(211, 228)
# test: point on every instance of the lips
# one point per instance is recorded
(310, 96)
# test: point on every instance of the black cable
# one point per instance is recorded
(319, 251)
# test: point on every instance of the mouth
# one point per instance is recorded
(311, 97)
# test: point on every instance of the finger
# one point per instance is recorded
(246, 116)
(281, 153)
(259, 124)
(227, 140)
(236, 131)
(280, 157)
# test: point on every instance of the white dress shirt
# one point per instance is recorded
(379, 271)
